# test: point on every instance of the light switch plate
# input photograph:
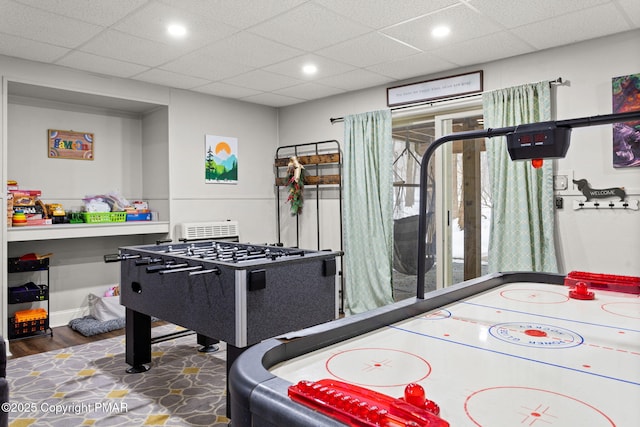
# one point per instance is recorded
(560, 182)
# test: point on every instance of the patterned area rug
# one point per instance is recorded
(87, 385)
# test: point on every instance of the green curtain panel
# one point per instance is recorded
(368, 211)
(522, 222)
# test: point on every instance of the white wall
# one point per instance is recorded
(251, 201)
(115, 167)
(596, 241)
(155, 161)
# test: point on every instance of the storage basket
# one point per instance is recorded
(27, 328)
(30, 315)
(16, 265)
(75, 217)
(28, 292)
(100, 217)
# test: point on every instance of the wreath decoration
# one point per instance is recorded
(297, 174)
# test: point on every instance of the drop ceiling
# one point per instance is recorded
(253, 50)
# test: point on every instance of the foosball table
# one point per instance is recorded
(224, 291)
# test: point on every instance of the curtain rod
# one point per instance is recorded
(333, 120)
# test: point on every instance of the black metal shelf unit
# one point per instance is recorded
(30, 322)
(322, 161)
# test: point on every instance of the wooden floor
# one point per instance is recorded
(63, 337)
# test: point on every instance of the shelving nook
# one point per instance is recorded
(131, 155)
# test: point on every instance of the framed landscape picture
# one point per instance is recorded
(221, 159)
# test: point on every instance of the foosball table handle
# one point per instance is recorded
(119, 257)
(180, 270)
(214, 270)
(160, 268)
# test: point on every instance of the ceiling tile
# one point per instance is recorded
(168, 78)
(226, 90)
(100, 64)
(263, 80)
(566, 29)
(272, 100)
(383, 13)
(238, 13)
(39, 25)
(125, 47)
(356, 79)
(369, 49)
(29, 49)
(309, 91)
(99, 12)
(512, 14)
(473, 51)
(416, 65)
(309, 27)
(151, 23)
(631, 10)
(293, 67)
(206, 67)
(465, 24)
(250, 49)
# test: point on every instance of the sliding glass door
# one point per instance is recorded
(458, 206)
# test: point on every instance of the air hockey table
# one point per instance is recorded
(508, 349)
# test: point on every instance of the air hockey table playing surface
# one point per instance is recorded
(504, 350)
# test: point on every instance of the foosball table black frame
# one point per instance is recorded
(239, 300)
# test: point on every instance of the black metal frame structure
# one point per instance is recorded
(488, 133)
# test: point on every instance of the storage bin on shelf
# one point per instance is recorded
(30, 315)
(29, 292)
(102, 217)
(139, 216)
(75, 217)
(28, 323)
(9, 209)
(17, 265)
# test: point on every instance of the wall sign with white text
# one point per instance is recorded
(446, 87)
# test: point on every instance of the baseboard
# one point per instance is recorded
(62, 318)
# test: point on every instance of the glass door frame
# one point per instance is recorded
(443, 158)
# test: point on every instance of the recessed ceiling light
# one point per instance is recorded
(440, 31)
(177, 30)
(309, 69)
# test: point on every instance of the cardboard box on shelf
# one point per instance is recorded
(9, 209)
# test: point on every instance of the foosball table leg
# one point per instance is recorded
(209, 345)
(138, 341)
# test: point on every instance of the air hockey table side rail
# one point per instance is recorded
(259, 397)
